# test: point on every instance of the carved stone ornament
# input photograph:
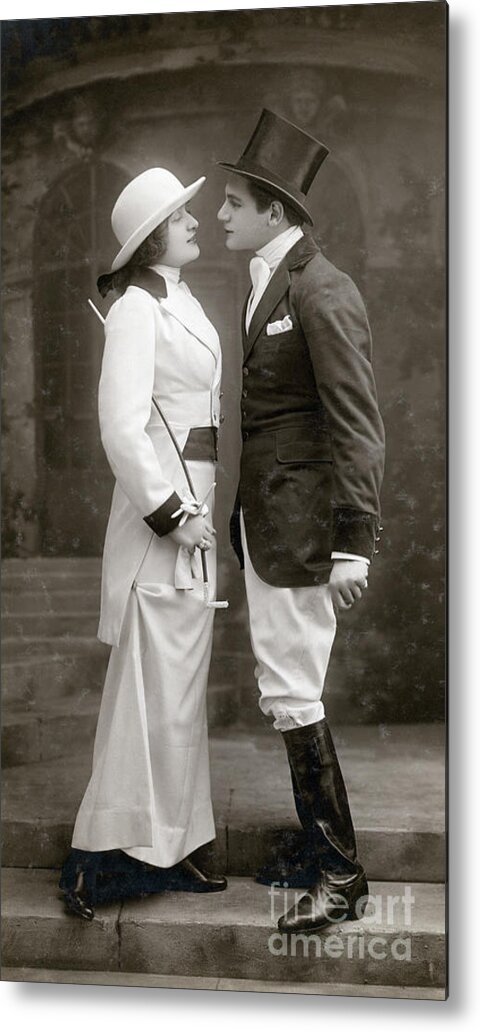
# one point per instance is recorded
(313, 105)
(78, 132)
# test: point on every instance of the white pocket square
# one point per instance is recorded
(281, 326)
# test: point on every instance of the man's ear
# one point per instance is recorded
(276, 213)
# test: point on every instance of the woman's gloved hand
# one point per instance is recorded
(196, 532)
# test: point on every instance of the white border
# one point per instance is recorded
(48, 1008)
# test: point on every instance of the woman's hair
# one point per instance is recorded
(263, 197)
(148, 252)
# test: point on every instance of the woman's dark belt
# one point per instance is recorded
(201, 444)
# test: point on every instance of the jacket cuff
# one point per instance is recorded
(236, 535)
(355, 532)
(350, 555)
(161, 521)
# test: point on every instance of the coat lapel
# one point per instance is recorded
(183, 306)
(299, 255)
(302, 251)
(276, 288)
(188, 311)
(244, 315)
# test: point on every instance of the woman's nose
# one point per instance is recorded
(221, 213)
(193, 222)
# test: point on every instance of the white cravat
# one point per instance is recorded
(263, 265)
(259, 274)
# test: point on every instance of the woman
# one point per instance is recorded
(147, 805)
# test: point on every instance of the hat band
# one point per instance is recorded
(271, 177)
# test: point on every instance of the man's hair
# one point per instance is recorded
(263, 197)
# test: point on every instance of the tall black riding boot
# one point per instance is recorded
(292, 865)
(340, 890)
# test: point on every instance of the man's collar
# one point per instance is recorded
(275, 250)
(302, 252)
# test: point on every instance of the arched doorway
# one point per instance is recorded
(73, 244)
(339, 221)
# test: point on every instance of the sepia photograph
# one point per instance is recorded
(224, 295)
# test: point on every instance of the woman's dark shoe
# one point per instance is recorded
(75, 904)
(78, 882)
(186, 877)
(91, 878)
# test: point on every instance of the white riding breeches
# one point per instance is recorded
(292, 631)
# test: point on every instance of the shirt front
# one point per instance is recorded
(272, 253)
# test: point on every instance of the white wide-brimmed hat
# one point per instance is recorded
(146, 202)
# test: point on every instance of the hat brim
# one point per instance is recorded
(296, 204)
(143, 231)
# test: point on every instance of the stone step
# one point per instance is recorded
(37, 567)
(51, 625)
(39, 671)
(400, 942)
(44, 728)
(35, 591)
(20, 603)
(15, 649)
(397, 802)
(49, 731)
(136, 979)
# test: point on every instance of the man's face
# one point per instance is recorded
(246, 229)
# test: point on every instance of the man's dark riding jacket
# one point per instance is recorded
(313, 439)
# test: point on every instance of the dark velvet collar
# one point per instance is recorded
(301, 252)
(146, 279)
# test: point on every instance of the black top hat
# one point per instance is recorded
(281, 156)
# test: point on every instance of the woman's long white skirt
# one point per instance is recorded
(149, 793)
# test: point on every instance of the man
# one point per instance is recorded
(307, 513)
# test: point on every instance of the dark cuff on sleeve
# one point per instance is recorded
(235, 534)
(161, 520)
(355, 532)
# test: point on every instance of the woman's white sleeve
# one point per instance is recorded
(124, 405)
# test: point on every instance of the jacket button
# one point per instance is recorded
(245, 370)
(245, 435)
(221, 394)
(221, 419)
(244, 392)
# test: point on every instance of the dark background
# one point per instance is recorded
(89, 103)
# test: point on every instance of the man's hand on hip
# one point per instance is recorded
(348, 580)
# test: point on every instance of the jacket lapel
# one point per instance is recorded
(244, 315)
(301, 252)
(188, 311)
(275, 290)
(299, 255)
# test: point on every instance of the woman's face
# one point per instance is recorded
(182, 244)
